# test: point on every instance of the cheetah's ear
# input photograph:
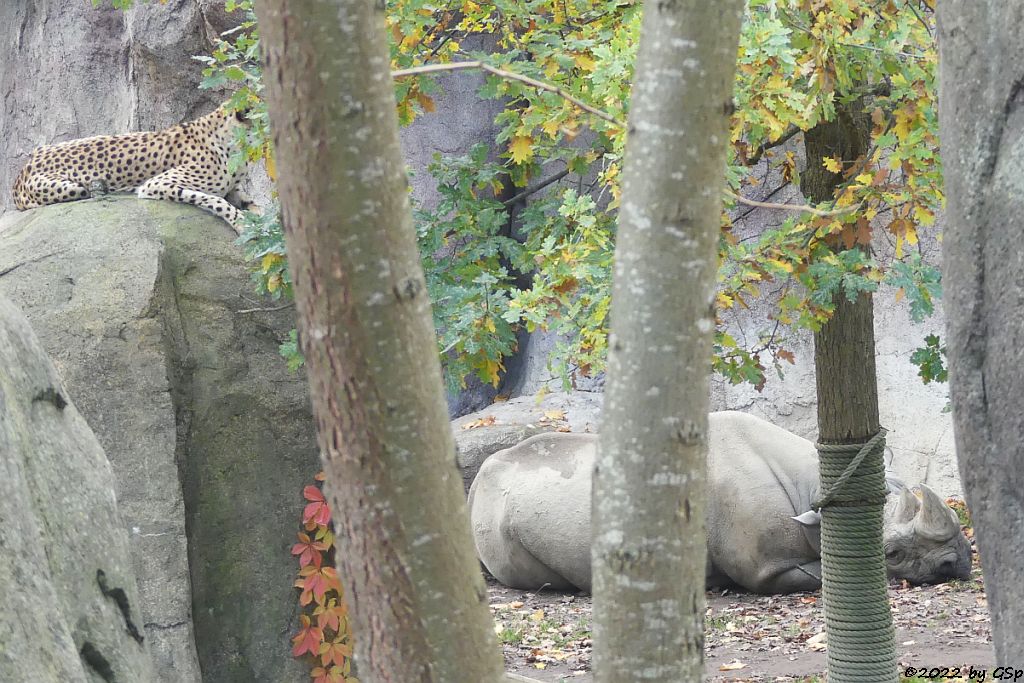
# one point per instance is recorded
(241, 115)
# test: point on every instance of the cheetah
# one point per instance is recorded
(185, 163)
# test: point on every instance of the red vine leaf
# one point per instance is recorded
(336, 651)
(309, 551)
(317, 510)
(308, 638)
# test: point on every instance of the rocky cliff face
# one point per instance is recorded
(70, 611)
(146, 309)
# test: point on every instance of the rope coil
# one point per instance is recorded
(858, 618)
(862, 491)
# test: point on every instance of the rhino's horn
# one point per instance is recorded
(906, 507)
(936, 520)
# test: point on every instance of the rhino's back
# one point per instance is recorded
(750, 454)
(530, 510)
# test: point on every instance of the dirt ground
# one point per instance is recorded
(547, 636)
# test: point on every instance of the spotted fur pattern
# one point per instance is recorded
(185, 163)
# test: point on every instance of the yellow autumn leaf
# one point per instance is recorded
(846, 198)
(489, 324)
(268, 157)
(902, 127)
(585, 62)
(911, 234)
(864, 178)
(537, 616)
(832, 165)
(551, 127)
(521, 148)
(923, 216)
(274, 282)
(411, 40)
(426, 101)
(491, 369)
(269, 260)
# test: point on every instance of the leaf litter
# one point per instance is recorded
(547, 635)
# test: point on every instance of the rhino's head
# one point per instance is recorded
(923, 539)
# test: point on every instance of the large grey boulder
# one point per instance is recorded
(146, 309)
(504, 424)
(530, 509)
(70, 608)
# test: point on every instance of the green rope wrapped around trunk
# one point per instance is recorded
(855, 588)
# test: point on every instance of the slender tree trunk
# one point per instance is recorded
(649, 542)
(982, 122)
(405, 554)
(854, 582)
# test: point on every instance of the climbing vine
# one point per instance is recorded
(324, 636)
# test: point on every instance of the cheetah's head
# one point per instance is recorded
(226, 120)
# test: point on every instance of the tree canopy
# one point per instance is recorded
(523, 235)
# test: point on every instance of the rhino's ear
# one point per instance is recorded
(906, 507)
(935, 520)
(809, 518)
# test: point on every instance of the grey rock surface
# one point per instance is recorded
(981, 112)
(210, 437)
(505, 423)
(573, 411)
(473, 445)
(70, 609)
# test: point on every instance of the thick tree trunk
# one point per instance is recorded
(648, 525)
(854, 582)
(982, 122)
(405, 556)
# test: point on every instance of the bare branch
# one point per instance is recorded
(799, 208)
(783, 139)
(536, 188)
(512, 76)
(261, 310)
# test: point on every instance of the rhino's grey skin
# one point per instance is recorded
(530, 508)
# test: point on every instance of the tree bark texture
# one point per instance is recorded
(649, 539)
(405, 555)
(981, 114)
(847, 391)
(844, 349)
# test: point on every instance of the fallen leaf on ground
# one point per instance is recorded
(480, 422)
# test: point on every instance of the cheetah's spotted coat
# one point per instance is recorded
(184, 163)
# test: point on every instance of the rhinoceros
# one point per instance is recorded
(530, 511)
